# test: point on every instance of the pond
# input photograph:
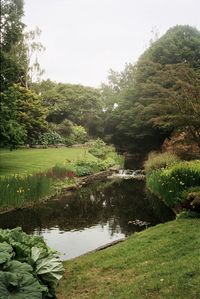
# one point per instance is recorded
(93, 216)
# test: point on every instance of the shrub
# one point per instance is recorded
(50, 138)
(99, 149)
(118, 159)
(169, 184)
(105, 164)
(157, 161)
(79, 134)
(28, 267)
(72, 134)
(85, 167)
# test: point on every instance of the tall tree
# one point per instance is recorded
(11, 34)
(157, 93)
(179, 44)
(178, 97)
(31, 48)
(12, 133)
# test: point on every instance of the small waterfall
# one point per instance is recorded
(121, 171)
(129, 174)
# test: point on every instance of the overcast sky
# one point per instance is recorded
(86, 38)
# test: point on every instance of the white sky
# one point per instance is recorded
(86, 38)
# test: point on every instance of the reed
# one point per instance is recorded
(18, 190)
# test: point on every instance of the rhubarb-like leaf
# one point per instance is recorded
(17, 286)
(6, 252)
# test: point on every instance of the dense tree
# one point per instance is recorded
(80, 104)
(161, 91)
(179, 44)
(21, 112)
(30, 112)
(22, 115)
(12, 133)
(178, 89)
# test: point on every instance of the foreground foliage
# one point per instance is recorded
(161, 262)
(28, 268)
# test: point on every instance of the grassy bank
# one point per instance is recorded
(161, 262)
(30, 175)
(24, 161)
(26, 174)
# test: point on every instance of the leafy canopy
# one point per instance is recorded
(157, 95)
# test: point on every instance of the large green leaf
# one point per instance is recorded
(21, 242)
(49, 268)
(27, 261)
(19, 286)
(37, 253)
(18, 267)
(6, 252)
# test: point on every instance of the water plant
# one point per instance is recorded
(16, 190)
(170, 183)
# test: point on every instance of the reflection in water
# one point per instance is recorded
(76, 242)
(91, 217)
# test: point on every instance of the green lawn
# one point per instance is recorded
(30, 160)
(162, 262)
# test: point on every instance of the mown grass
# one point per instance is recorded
(23, 161)
(162, 262)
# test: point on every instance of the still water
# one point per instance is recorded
(93, 216)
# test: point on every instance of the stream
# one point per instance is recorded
(92, 216)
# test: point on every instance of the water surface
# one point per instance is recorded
(93, 216)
